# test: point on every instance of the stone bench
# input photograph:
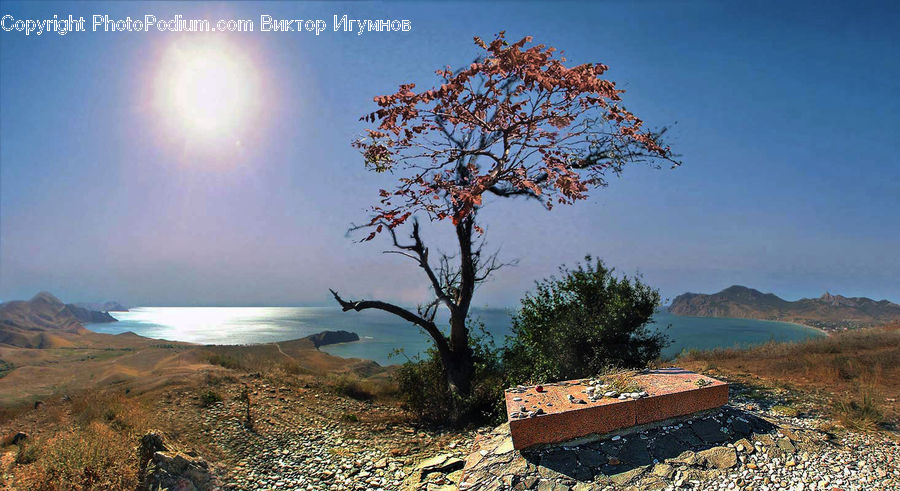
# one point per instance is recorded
(563, 411)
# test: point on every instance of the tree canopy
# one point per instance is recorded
(517, 121)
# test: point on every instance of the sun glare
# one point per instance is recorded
(207, 89)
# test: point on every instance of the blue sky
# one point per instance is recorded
(786, 117)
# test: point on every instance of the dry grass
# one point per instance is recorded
(354, 387)
(90, 457)
(859, 370)
(85, 443)
(622, 382)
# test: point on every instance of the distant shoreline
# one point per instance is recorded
(814, 328)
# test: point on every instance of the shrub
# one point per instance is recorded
(92, 458)
(860, 412)
(424, 390)
(225, 361)
(350, 386)
(209, 398)
(582, 324)
(244, 397)
(27, 453)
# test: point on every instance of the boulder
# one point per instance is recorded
(161, 468)
(718, 457)
(441, 463)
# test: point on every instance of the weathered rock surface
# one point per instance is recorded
(171, 470)
(89, 316)
(734, 448)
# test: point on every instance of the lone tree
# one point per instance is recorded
(515, 122)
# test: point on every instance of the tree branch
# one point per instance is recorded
(360, 305)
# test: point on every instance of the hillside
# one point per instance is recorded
(41, 322)
(45, 350)
(830, 312)
(111, 306)
(89, 316)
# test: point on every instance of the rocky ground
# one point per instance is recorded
(311, 438)
(745, 445)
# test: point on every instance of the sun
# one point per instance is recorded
(207, 89)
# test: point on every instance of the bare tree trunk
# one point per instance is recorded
(454, 287)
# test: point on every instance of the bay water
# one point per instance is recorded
(382, 333)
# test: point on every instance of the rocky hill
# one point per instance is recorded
(37, 323)
(90, 316)
(827, 312)
(44, 322)
(325, 338)
(111, 306)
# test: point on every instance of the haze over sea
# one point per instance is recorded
(381, 333)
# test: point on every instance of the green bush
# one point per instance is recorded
(424, 389)
(582, 324)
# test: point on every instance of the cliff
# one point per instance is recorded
(110, 306)
(89, 316)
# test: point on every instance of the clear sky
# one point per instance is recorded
(787, 121)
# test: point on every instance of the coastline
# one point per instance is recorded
(814, 328)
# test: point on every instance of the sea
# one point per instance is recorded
(388, 340)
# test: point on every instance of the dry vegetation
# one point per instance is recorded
(84, 442)
(87, 439)
(857, 372)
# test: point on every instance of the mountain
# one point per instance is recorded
(827, 312)
(40, 322)
(111, 306)
(90, 316)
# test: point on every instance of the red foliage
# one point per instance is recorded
(515, 122)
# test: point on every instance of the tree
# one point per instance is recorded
(515, 122)
(581, 324)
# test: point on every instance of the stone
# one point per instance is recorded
(666, 447)
(709, 431)
(561, 461)
(592, 458)
(443, 463)
(19, 437)
(160, 468)
(547, 485)
(505, 447)
(719, 457)
(623, 478)
(743, 445)
(687, 458)
(634, 452)
(664, 470)
(741, 427)
(687, 437)
(786, 445)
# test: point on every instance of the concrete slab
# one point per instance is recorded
(563, 411)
